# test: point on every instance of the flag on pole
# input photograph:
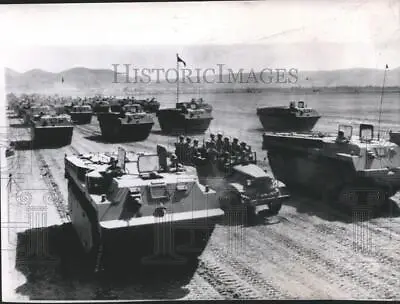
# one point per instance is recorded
(387, 66)
(180, 60)
(62, 79)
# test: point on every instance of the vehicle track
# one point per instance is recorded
(343, 249)
(380, 236)
(225, 280)
(265, 287)
(55, 194)
(333, 267)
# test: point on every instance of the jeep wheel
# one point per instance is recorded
(275, 207)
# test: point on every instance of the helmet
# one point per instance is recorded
(226, 139)
(196, 141)
(236, 139)
(212, 135)
(188, 139)
(219, 134)
(243, 144)
(173, 156)
(181, 137)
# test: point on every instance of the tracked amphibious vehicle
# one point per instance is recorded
(124, 204)
(131, 123)
(34, 112)
(186, 117)
(232, 170)
(297, 118)
(395, 137)
(81, 114)
(51, 130)
(353, 171)
(101, 106)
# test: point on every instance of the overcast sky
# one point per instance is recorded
(307, 35)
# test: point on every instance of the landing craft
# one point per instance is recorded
(81, 114)
(131, 123)
(51, 130)
(395, 137)
(296, 118)
(353, 171)
(120, 202)
(186, 117)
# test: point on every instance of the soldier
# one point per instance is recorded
(186, 150)
(219, 143)
(195, 148)
(175, 165)
(212, 151)
(235, 146)
(249, 153)
(226, 146)
(112, 171)
(179, 146)
(212, 137)
(243, 152)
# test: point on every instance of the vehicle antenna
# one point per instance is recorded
(380, 108)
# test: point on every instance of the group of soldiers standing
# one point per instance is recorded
(216, 149)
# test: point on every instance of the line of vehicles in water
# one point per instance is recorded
(115, 198)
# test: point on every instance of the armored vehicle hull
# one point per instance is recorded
(187, 117)
(81, 114)
(351, 172)
(125, 126)
(150, 217)
(51, 130)
(285, 119)
(172, 121)
(395, 137)
(81, 118)
(51, 135)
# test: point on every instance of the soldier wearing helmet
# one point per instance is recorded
(219, 142)
(212, 151)
(175, 165)
(194, 149)
(226, 145)
(212, 137)
(179, 147)
(235, 146)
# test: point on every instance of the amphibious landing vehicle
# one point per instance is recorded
(395, 137)
(297, 118)
(33, 113)
(148, 105)
(81, 114)
(231, 169)
(353, 171)
(186, 117)
(51, 130)
(131, 123)
(124, 204)
(101, 106)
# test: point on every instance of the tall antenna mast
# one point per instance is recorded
(380, 108)
(177, 79)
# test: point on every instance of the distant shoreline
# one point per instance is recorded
(196, 91)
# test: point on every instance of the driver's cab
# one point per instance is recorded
(345, 132)
(300, 104)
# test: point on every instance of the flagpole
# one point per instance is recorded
(380, 107)
(177, 77)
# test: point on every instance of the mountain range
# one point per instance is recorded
(80, 80)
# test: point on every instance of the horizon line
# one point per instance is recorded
(106, 69)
